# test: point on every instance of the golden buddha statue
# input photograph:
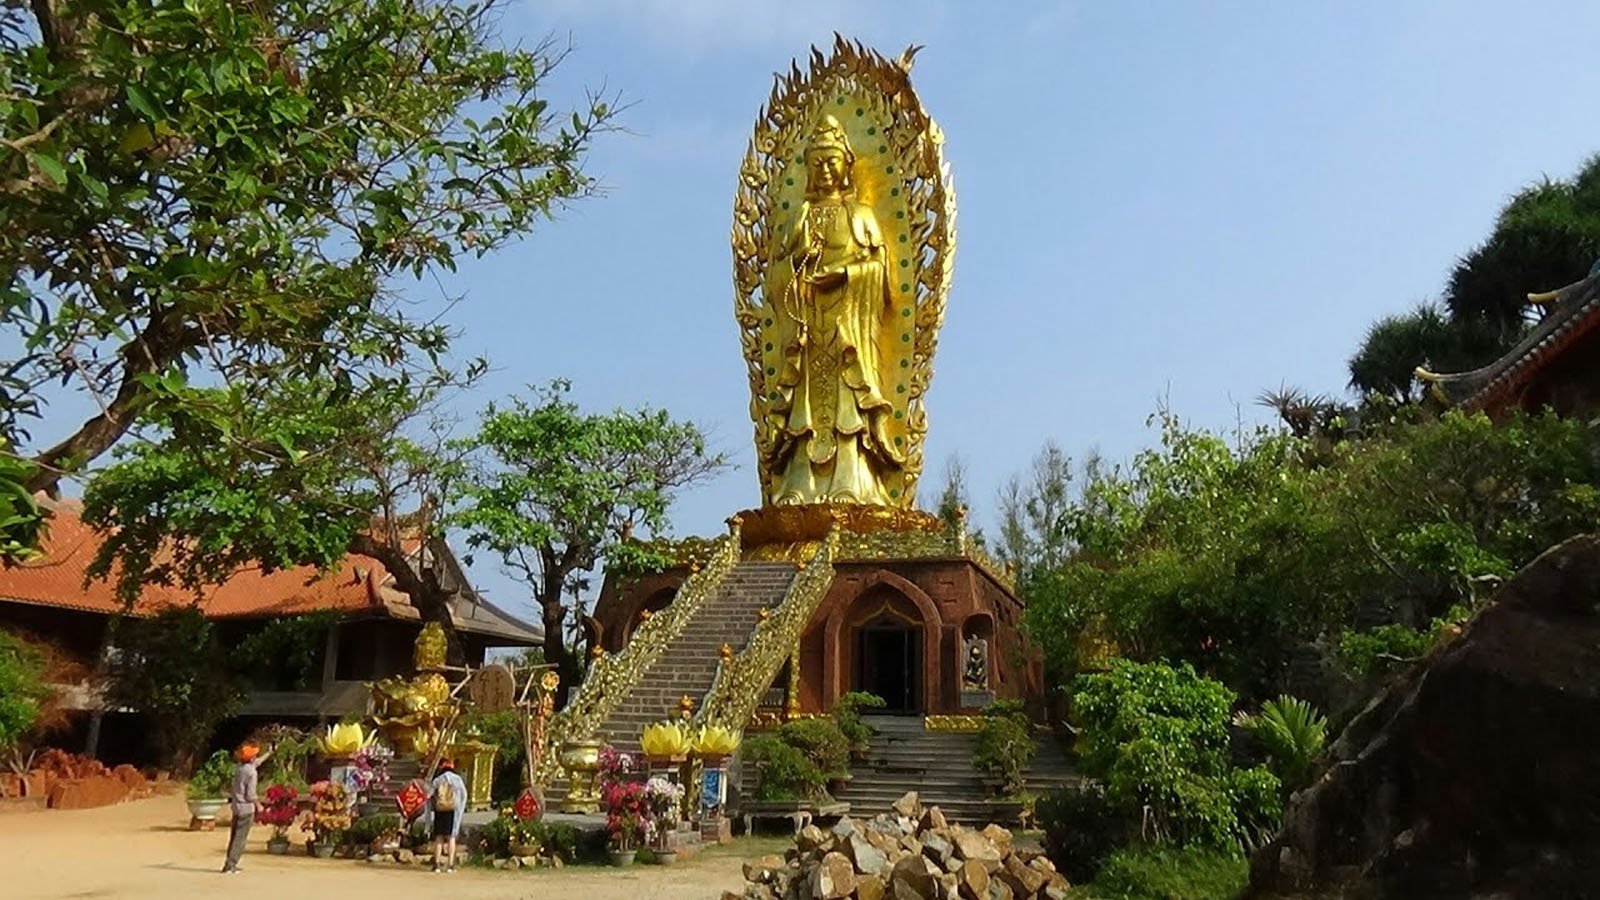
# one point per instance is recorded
(831, 440)
(411, 712)
(844, 228)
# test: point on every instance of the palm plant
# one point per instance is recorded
(1293, 733)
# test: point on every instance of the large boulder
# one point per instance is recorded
(1474, 774)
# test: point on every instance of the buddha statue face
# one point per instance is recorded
(828, 159)
(825, 172)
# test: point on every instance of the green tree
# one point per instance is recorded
(553, 491)
(302, 475)
(215, 191)
(171, 668)
(22, 689)
(21, 520)
(1236, 553)
(1157, 736)
(1031, 509)
(1395, 346)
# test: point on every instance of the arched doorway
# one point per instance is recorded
(887, 644)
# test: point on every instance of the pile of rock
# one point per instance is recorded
(62, 780)
(911, 854)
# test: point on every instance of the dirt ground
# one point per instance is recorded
(144, 850)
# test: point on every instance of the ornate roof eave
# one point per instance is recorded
(1574, 312)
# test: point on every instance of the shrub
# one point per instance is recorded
(1157, 873)
(1081, 829)
(847, 716)
(21, 691)
(1005, 745)
(786, 773)
(213, 779)
(1292, 733)
(821, 741)
(367, 830)
(493, 840)
(1158, 738)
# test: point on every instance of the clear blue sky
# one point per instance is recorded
(1173, 199)
(1196, 201)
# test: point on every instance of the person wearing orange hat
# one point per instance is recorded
(447, 801)
(242, 801)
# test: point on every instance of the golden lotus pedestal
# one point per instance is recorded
(581, 759)
(793, 533)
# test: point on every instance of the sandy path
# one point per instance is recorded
(143, 850)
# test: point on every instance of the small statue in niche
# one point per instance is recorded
(975, 677)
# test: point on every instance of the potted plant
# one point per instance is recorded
(207, 790)
(617, 765)
(821, 741)
(279, 808)
(626, 811)
(664, 802)
(328, 818)
(847, 715)
(370, 774)
(786, 777)
(1004, 749)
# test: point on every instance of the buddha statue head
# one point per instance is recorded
(430, 649)
(828, 158)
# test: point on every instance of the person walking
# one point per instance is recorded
(447, 799)
(242, 801)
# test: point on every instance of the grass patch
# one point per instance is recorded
(1149, 873)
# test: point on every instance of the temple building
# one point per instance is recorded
(1556, 366)
(372, 637)
(915, 614)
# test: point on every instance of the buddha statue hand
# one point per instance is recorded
(827, 280)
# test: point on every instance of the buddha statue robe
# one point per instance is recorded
(831, 442)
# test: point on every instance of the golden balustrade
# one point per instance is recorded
(613, 675)
(740, 681)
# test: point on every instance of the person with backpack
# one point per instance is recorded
(447, 800)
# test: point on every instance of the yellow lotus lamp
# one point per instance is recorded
(716, 741)
(343, 740)
(666, 741)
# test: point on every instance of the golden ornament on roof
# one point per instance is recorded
(843, 237)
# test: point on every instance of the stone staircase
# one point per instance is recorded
(938, 766)
(689, 665)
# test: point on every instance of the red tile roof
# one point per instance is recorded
(57, 578)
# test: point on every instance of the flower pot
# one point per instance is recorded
(524, 849)
(322, 849)
(622, 857)
(206, 809)
(278, 845)
(666, 857)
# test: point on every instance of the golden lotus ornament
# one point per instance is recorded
(843, 243)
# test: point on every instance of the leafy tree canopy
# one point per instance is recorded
(1236, 554)
(553, 491)
(216, 191)
(21, 520)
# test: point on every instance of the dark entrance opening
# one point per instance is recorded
(889, 664)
